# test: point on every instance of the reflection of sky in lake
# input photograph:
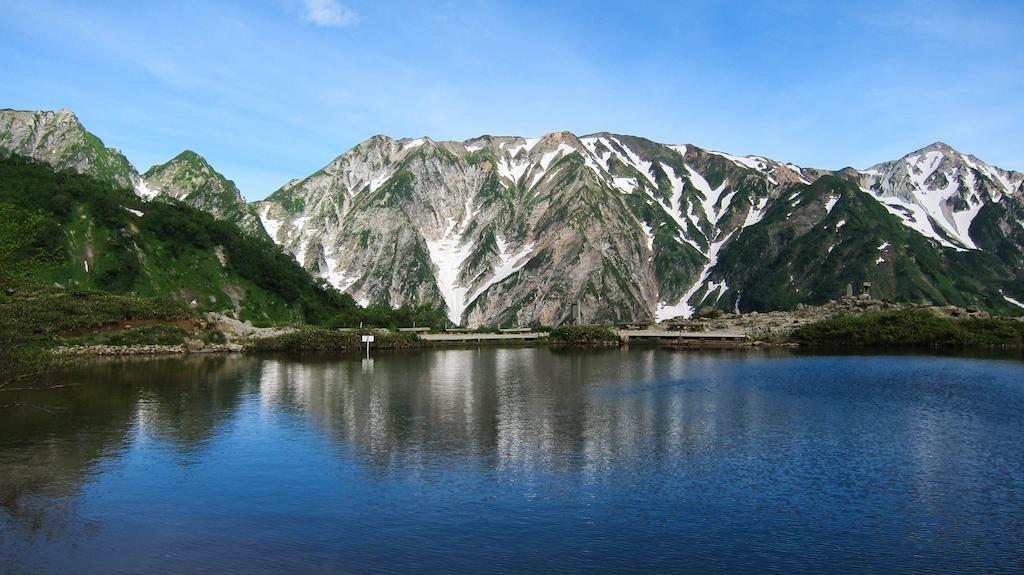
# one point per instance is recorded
(517, 459)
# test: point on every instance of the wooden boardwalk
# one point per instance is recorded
(682, 336)
(471, 337)
(625, 335)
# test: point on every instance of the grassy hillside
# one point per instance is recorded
(35, 318)
(70, 230)
(78, 256)
(911, 329)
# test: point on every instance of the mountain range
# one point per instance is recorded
(602, 227)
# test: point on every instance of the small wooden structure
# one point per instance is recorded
(634, 325)
(687, 326)
(683, 338)
(481, 337)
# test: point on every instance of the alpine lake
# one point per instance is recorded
(517, 460)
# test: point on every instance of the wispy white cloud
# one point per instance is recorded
(328, 13)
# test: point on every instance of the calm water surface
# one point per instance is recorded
(517, 460)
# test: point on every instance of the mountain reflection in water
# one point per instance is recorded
(516, 459)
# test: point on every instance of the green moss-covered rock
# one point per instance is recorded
(584, 335)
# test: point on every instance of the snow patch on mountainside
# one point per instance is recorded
(756, 213)
(304, 234)
(590, 143)
(713, 204)
(562, 149)
(143, 190)
(675, 201)
(508, 264)
(378, 181)
(915, 217)
(799, 172)
(412, 144)
(624, 185)
(756, 163)
(649, 232)
(448, 253)
(682, 307)
(831, 203)
(1013, 301)
(512, 170)
(271, 225)
(338, 278)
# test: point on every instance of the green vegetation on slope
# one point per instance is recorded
(70, 229)
(30, 323)
(379, 315)
(68, 241)
(147, 335)
(583, 335)
(319, 339)
(911, 329)
(61, 138)
(802, 253)
(191, 179)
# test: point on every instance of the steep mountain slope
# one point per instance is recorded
(608, 227)
(77, 232)
(816, 239)
(603, 227)
(939, 192)
(502, 229)
(189, 178)
(58, 139)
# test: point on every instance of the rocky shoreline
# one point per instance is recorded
(778, 325)
(110, 350)
(762, 329)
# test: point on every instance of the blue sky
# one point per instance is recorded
(273, 90)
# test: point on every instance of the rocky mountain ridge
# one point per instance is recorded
(59, 139)
(190, 179)
(605, 227)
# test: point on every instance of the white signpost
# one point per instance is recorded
(367, 339)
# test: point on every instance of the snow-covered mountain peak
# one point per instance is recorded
(938, 191)
(941, 147)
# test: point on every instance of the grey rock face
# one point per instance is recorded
(515, 230)
(58, 139)
(938, 191)
(500, 230)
